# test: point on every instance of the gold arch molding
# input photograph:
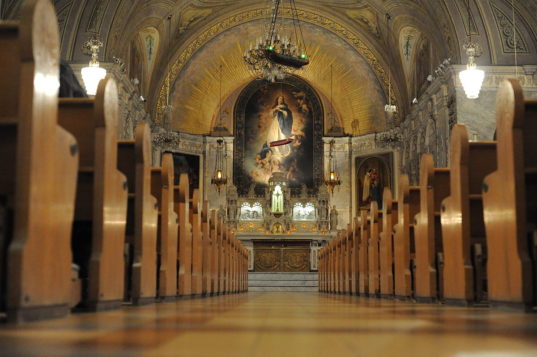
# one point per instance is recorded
(316, 19)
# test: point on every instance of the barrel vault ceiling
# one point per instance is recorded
(350, 35)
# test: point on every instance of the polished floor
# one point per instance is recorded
(279, 324)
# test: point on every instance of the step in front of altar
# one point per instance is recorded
(300, 282)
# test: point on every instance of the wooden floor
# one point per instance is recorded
(279, 324)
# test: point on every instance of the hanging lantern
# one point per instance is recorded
(332, 180)
(219, 177)
(93, 74)
(472, 78)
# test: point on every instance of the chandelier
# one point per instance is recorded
(219, 178)
(332, 180)
(93, 74)
(273, 56)
(471, 78)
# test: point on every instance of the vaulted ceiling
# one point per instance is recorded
(350, 35)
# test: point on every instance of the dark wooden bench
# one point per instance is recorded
(134, 161)
(403, 243)
(38, 169)
(434, 188)
(101, 198)
(463, 228)
(510, 202)
(168, 226)
(390, 216)
(355, 266)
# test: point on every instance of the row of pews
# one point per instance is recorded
(85, 221)
(466, 235)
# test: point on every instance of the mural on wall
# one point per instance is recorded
(268, 112)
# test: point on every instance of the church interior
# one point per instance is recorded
(268, 178)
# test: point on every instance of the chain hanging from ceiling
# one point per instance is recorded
(277, 53)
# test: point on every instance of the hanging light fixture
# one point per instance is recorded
(274, 55)
(389, 108)
(471, 78)
(219, 177)
(332, 180)
(93, 74)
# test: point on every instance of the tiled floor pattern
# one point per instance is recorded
(279, 324)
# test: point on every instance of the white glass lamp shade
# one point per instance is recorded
(92, 75)
(472, 80)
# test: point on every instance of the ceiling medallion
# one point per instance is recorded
(273, 56)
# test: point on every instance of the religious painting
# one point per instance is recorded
(287, 111)
(374, 173)
(187, 164)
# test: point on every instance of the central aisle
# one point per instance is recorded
(279, 324)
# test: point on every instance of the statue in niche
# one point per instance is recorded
(333, 218)
(277, 200)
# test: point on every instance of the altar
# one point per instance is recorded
(283, 228)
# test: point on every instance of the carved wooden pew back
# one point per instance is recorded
(510, 202)
(207, 249)
(162, 188)
(37, 170)
(409, 206)
(363, 259)
(390, 217)
(184, 255)
(134, 161)
(197, 242)
(101, 199)
(375, 222)
(434, 188)
(463, 231)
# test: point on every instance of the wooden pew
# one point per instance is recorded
(375, 222)
(219, 253)
(184, 255)
(162, 188)
(134, 161)
(355, 262)
(363, 259)
(348, 261)
(207, 249)
(197, 243)
(38, 170)
(338, 262)
(101, 198)
(510, 202)
(463, 231)
(390, 216)
(215, 227)
(409, 206)
(434, 187)
(333, 266)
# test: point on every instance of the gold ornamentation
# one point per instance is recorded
(316, 19)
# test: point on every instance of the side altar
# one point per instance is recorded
(282, 227)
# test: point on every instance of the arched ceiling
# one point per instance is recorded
(352, 34)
